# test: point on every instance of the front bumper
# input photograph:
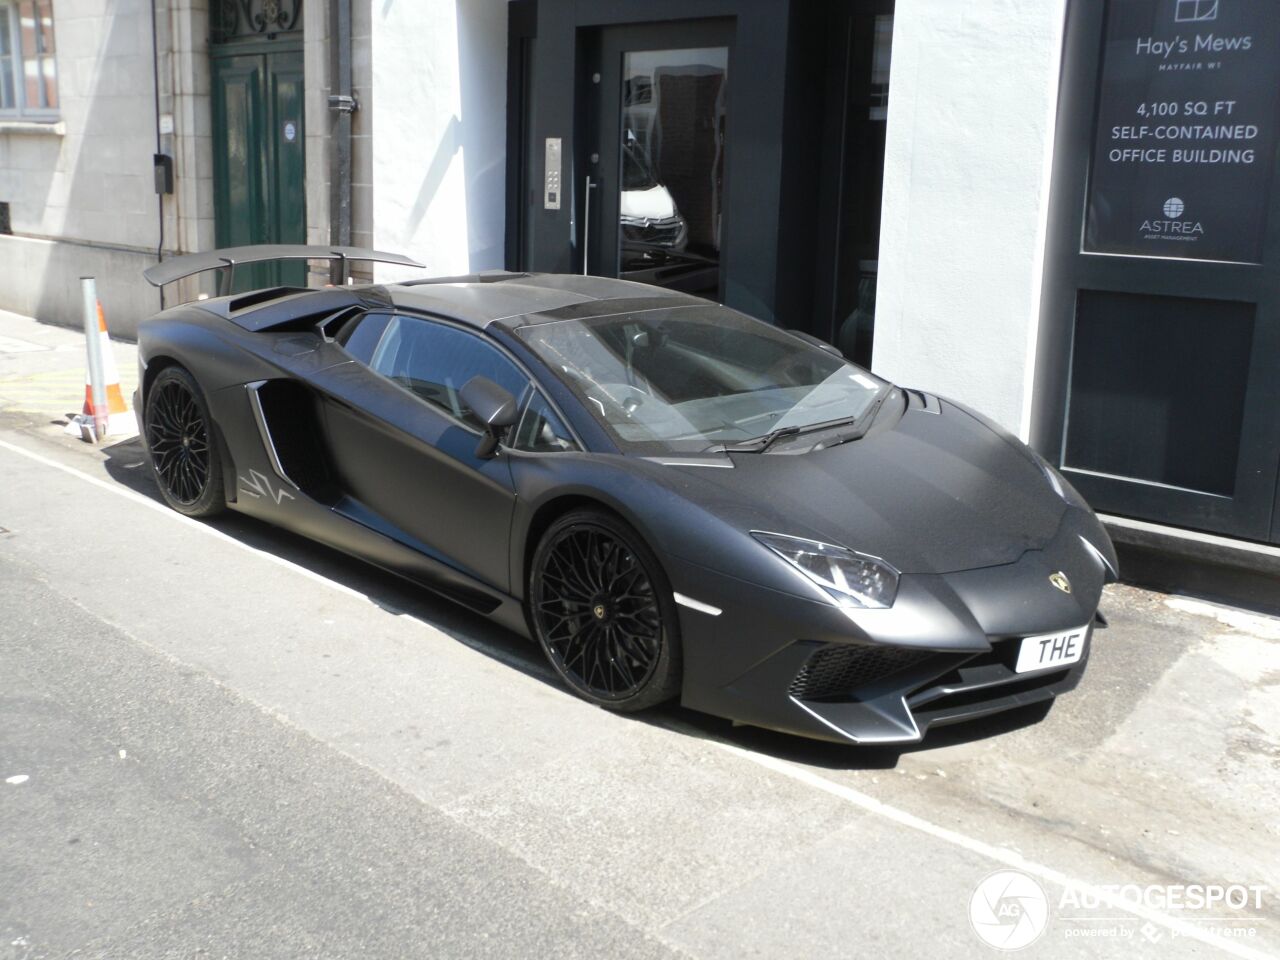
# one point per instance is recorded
(901, 705)
(945, 652)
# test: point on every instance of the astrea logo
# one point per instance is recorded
(1174, 225)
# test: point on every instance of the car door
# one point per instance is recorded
(402, 443)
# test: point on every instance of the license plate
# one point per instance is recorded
(1051, 650)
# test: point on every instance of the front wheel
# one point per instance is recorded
(603, 613)
(184, 456)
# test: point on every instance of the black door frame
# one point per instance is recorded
(1254, 511)
(602, 130)
(548, 56)
(850, 49)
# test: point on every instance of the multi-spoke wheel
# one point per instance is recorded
(602, 611)
(180, 441)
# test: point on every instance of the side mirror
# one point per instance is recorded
(496, 409)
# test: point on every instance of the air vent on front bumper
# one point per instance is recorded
(837, 670)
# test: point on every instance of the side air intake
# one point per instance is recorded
(286, 415)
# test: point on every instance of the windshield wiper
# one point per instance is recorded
(762, 443)
(754, 444)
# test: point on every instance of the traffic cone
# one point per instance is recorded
(120, 419)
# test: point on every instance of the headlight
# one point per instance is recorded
(849, 578)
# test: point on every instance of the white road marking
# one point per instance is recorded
(1002, 855)
(855, 797)
(497, 653)
(17, 778)
(173, 515)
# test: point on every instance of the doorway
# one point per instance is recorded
(259, 162)
(726, 148)
(652, 201)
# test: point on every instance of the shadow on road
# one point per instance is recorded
(127, 464)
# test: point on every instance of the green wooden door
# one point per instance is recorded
(258, 158)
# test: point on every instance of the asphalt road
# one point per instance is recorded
(220, 740)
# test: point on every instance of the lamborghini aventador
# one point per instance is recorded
(671, 498)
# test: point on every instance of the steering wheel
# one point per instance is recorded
(623, 396)
(791, 366)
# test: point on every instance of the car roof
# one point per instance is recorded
(525, 298)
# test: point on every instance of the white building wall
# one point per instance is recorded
(439, 133)
(972, 100)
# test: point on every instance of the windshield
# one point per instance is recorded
(688, 379)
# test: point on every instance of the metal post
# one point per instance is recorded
(586, 225)
(93, 343)
(342, 104)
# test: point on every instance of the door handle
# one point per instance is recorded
(586, 223)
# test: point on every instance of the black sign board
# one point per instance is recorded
(1185, 138)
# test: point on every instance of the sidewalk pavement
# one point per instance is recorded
(42, 371)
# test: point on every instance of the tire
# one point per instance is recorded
(181, 442)
(602, 611)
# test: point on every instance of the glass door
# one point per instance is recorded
(651, 206)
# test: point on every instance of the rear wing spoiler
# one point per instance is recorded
(176, 268)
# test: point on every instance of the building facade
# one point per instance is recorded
(1059, 212)
(174, 126)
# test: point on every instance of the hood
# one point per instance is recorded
(655, 203)
(934, 493)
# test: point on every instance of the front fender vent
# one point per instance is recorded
(838, 670)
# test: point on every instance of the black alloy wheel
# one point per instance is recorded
(184, 456)
(603, 614)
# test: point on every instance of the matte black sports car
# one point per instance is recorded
(671, 498)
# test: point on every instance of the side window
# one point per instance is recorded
(540, 430)
(434, 361)
(359, 337)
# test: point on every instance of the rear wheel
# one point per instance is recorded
(184, 457)
(603, 613)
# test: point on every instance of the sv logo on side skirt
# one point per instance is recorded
(258, 485)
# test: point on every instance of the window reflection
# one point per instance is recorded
(672, 156)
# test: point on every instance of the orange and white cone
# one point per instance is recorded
(120, 419)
